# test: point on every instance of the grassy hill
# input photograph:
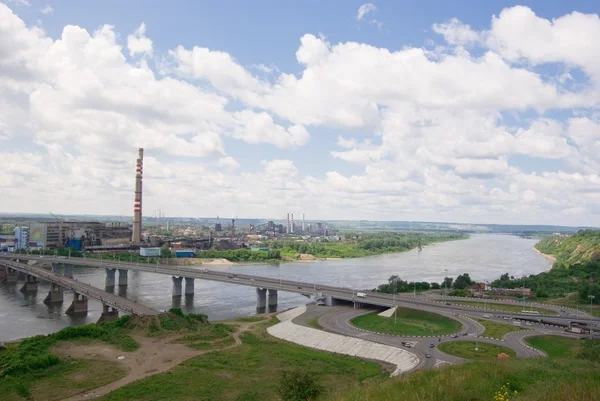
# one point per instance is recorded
(523, 380)
(568, 251)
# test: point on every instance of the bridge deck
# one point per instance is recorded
(120, 303)
(299, 287)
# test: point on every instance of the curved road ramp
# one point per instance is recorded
(317, 339)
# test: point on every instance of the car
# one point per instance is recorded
(448, 303)
(431, 345)
(361, 295)
(486, 316)
(427, 356)
(298, 287)
(454, 335)
(206, 271)
(465, 333)
(229, 276)
(527, 324)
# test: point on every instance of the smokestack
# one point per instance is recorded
(287, 226)
(303, 223)
(292, 227)
(137, 204)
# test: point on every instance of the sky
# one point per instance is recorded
(463, 111)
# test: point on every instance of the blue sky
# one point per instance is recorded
(419, 110)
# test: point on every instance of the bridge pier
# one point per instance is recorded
(30, 285)
(21, 276)
(12, 276)
(108, 313)
(272, 298)
(2, 274)
(261, 298)
(68, 270)
(110, 277)
(189, 286)
(123, 277)
(79, 306)
(55, 296)
(176, 285)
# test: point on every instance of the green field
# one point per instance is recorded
(497, 330)
(410, 322)
(533, 380)
(505, 307)
(466, 349)
(250, 372)
(556, 346)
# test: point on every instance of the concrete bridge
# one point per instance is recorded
(111, 303)
(267, 288)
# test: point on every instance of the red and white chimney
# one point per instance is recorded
(136, 237)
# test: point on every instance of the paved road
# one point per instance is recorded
(337, 320)
(348, 294)
(120, 303)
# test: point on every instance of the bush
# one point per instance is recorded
(299, 385)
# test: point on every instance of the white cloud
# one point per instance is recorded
(20, 2)
(456, 33)
(364, 10)
(228, 162)
(433, 134)
(137, 42)
(47, 9)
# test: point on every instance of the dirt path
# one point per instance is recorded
(155, 355)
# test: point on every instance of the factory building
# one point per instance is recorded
(77, 234)
(149, 251)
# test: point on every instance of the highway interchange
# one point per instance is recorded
(337, 319)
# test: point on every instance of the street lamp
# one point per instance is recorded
(591, 297)
(445, 285)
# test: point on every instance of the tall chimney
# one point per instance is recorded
(287, 227)
(303, 223)
(136, 238)
(292, 226)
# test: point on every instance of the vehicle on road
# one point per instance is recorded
(516, 322)
(206, 270)
(299, 287)
(361, 295)
(527, 324)
(431, 345)
(230, 276)
(427, 356)
(465, 333)
(529, 312)
(506, 317)
(454, 335)
(486, 316)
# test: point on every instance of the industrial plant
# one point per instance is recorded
(182, 237)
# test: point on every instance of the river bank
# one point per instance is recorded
(547, 256)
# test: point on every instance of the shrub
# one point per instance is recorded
(299, 385)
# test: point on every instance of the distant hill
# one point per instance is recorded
(584, 246)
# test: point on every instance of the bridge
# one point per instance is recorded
(266, 287)
(111, 303)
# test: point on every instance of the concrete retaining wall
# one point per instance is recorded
(317, 339)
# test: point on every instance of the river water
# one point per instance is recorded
(484, 257)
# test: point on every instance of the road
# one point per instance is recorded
(305, 288)
(120, 303)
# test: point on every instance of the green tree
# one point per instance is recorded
(299, 385)
(590, 289)
(435, 286)
(462, 282)
(447, 283)
(165, 252)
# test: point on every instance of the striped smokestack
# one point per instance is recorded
(137, 204)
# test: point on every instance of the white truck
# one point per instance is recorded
(361, 295)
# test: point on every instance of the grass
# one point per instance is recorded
(250, 319)
(466, 349)
(250, 372)
(505, 307)
(572, 301)
(497, 330)
(314, 323)
(533, 379)
(64, 380)
(556, 346)
(29, 364)
(408, 322)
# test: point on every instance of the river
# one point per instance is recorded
(484, 257)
